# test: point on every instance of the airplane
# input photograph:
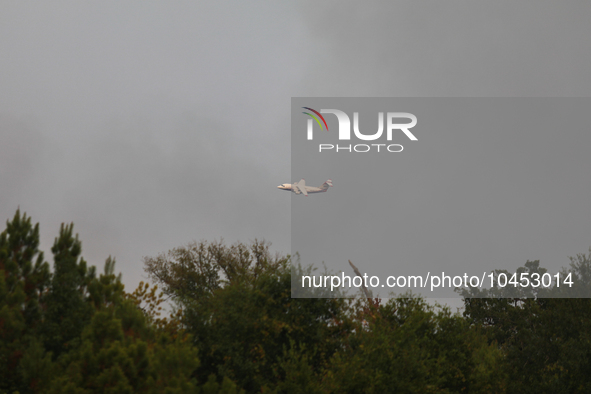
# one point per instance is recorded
(301, 188)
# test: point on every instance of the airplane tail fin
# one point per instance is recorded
(326, 185)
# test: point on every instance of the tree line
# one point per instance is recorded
(232, 327)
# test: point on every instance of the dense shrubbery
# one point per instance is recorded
(235, 328)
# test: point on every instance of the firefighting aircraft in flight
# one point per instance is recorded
(301, 188)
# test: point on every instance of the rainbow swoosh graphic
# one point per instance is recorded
(315, 118)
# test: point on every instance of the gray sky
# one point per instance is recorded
(489, 184)
(152, 124)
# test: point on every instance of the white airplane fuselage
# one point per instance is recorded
(297, 187)
(309, 189)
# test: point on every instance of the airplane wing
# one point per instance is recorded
(300, 187)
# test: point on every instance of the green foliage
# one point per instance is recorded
(249, 329)
(225, 387)
(234, 328)
(150, 301)
(546, 341)
(109, 360)
(71, 332)
(119, 351)
(23, 280)
(238, 308)
(296, 374)
(408, 346)
(580, 274)
(67, 309)
(36, 369)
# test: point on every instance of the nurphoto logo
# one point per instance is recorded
(393, 126)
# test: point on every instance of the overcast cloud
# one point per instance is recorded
(152, 124)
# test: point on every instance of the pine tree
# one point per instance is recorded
(24, 277)
(68, 309)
